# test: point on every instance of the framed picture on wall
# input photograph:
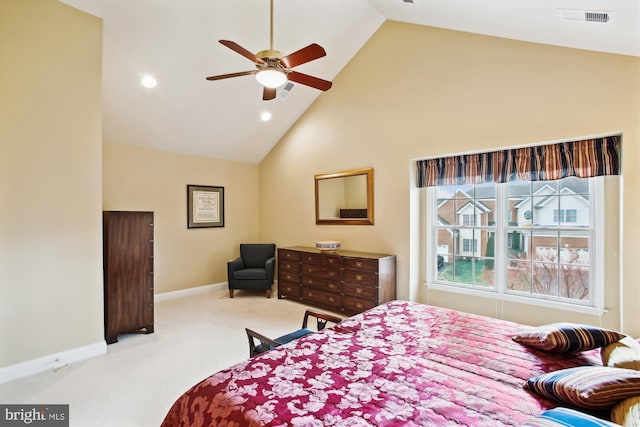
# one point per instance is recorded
(205, 206)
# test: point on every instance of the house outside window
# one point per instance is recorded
(527, 240)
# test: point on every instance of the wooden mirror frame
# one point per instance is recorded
(365, 220)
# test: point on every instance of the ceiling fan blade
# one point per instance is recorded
(242, 51)
(268, 94)
(306, 54)
(226, 76)
(307, 80)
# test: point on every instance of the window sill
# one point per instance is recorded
(556, 305)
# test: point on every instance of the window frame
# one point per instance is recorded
(595, 304)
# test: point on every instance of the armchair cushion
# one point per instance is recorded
(250, 274)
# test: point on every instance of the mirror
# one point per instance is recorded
(345, 197)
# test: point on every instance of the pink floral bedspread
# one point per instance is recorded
(399, 364)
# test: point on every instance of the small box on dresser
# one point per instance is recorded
(342, 281)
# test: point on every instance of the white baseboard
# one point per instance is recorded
(59, 360)
(51, 362)
(190, 291)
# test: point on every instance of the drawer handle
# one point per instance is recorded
(310, 281)
(358, 264)
(332, 274)
(310, 294)
(359, 290)
(358, 276)
(332, 299)
(358, 305)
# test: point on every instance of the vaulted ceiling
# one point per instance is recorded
(176, 41)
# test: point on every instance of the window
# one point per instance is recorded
(470, 245)
(562, 215)
(523, 240)
(468, 219)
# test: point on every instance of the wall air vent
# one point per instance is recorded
(585, 15)
(407, 1)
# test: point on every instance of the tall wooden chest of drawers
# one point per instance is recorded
(128, 273)
(341, 281)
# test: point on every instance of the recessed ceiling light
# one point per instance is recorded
(148, 81)
(265, 116)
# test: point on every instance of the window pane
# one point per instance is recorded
(574, 248)
(545, 246)
(576, 185)
(519, 276)
(545, 210)
(485, 275)
(574, 282)
(576, 209)
(545, 278)
(519, 244)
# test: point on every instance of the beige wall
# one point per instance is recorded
(50, 179)
(450, 92)
(151, 180)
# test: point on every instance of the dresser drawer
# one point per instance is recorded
(321, 297)
(285, 255)
(355, 305)
(360, 277)
(320, 271)
(361, 264)
(310, 258)
(291, 266)
(288, 290)
(367, 292)
(332, 261)
(287, 276)
(321, 283)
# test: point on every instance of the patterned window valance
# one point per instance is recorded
(583, 159)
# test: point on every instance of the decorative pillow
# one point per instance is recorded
(622, 354)
(627, 412)
(566, 417)
(590, 387)
(567, 337)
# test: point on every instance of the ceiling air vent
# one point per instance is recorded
(285, 90)
(584, 15)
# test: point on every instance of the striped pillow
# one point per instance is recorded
(567, 337)
(566, 417)
(590, 387)
(622, 354)
(627, 412)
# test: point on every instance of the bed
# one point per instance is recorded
(400, 363)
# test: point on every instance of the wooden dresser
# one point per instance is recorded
(128, 273)
(342, 281)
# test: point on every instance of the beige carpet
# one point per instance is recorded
(139, 378)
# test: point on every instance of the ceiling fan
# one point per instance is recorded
(273, 69)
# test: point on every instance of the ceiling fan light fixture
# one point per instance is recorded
(271, 78)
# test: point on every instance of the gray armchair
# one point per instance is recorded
(254, 269)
